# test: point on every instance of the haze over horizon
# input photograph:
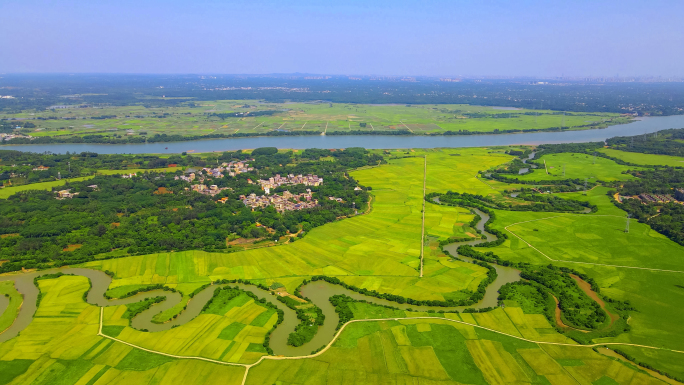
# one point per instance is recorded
(390, 38)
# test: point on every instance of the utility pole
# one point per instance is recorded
(627, 227)
(585, 185)
(563, 170)
(563, 121)
(594, 157)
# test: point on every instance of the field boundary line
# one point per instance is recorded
(339, 332)
(257, 126)
(579, 262)
(99, 333)
(422, 230)
(407, 127)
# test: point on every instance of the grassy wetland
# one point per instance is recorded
(251, 117)
(380, 251)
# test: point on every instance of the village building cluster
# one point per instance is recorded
(211, 190)
(276, 181)
(232, 169)
(285, 202)
(657, 198)
(14, 136)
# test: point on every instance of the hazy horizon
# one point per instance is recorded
(381, 38)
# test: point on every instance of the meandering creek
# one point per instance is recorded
(318, 292)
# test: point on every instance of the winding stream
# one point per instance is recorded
(318, 292)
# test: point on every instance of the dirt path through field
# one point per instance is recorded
(586, 288)
(422, 232)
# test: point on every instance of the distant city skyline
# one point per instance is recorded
(435, 38)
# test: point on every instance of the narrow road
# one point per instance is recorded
(422, 232)
(337, 335)
(407, 127)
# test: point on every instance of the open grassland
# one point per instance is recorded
(61, 346)
(578, 166)
(139, 121)
(441, 352)
(594, 239)
(8, 191)
(9, 304)
(232, 332)
(657, 295)
(645, 159)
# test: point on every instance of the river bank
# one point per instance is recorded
(641, 126)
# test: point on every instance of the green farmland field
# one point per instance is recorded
(380, 250)
(139, 121)
(443, 352)
(14, 299)
(577, 166)
(645, 159)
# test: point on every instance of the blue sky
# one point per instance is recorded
(397, 37)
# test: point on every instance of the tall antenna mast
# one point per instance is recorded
(627, 227)
(563, 170)
(585, 185)
(594, 157)
(563, 121)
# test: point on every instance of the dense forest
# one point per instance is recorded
(18, 167)
(109, 216)
(665, 142)
(41, 91)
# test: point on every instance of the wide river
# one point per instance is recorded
(641, 126)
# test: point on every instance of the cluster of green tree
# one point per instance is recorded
(131, 293)
(32, 92)
(530, 296)
(665, 142)
(569, 184)
(577, 309)
(341, 303)
(549, 202)
(665, 218)
(72, 165)
(474, 297)
(513, 167)
(310, 318)
(535, 298)
(545, 149)
(133, 309)
(155, 212)
(538, 202)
